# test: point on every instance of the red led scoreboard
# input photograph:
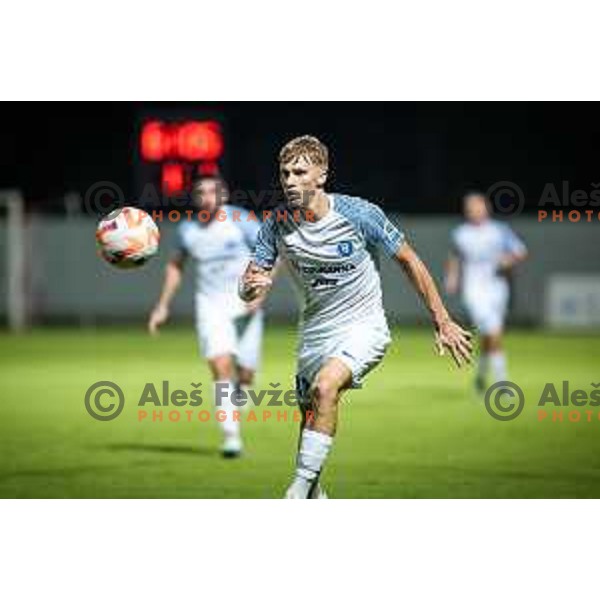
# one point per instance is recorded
(173, 149)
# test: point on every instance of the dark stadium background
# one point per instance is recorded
(416, 156)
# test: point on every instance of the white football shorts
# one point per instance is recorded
(487, 306)
(224, 326)
(361, 349)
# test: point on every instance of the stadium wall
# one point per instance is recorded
(69, 283)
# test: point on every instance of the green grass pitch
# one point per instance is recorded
(416, 430)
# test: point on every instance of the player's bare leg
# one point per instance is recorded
(331, 380)
(245, 376)
(492, 358)
(316, 435)
(244, 381)
(223, 371)
(221, 367)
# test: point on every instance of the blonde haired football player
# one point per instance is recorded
(344, 332)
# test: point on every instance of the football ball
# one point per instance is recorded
(127, 237)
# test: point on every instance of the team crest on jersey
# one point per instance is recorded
(345, 248)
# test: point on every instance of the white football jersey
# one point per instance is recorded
(220, 250)
(480, 249)
(331, 263)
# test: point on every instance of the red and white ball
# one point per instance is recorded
(127, 238)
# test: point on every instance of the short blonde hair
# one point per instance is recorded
(305, 145)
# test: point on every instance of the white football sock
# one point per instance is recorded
(223, 391)
(314, 448)
(498, 364)
(482, 366)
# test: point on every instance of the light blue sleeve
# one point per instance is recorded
(265, 250)
(372, 222)
(511, 243)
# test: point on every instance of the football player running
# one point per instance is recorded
(344, 332)
(482, 255)
(229, 330)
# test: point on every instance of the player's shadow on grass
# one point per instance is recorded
(165, 449)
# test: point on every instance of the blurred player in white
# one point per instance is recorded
(482, 254)
(343, 331)
(229, 330)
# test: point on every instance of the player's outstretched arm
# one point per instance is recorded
(171, 283)
(448, 334)
(255, 282)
